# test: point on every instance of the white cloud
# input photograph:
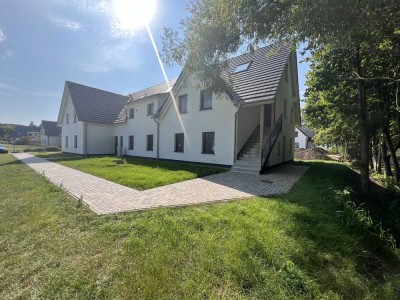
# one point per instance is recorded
(63, 22)
(2, 36)
(7, 54)
(8, 87)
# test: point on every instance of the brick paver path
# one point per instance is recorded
(104, 197)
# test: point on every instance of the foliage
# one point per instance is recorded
(6, 130)
(292, 247)
(357, 217)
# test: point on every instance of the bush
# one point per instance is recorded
(43, 149)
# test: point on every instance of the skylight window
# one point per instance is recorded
(242, 67)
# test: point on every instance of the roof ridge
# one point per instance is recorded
(67, 82)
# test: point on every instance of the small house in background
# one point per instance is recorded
(304, 138)
(26, 135)
(50, 134)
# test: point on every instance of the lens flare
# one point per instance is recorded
(130, 15)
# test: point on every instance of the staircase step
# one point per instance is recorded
(245, 170)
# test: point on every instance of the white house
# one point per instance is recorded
(50, 134)
(304, 138)
(248, 127)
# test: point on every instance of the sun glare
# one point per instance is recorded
(133, 14)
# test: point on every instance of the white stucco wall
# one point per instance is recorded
(71, 130)
(301, 139)
(285, 91)
(100, 138)
(220, 119)
(140, 126)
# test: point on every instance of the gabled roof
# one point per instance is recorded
(21, 130)
(157, 89)
(306, 131)
(260, 81)
(50, 128)
(94, 105)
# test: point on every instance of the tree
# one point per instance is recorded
(216, 29)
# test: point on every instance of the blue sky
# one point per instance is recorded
(43, 43)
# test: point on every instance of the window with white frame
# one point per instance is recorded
(131, 113)
(179, 142)
(205, 100)
(131, 140)
(208, 142)
(149, 144)
(183, 104)
(150, 109)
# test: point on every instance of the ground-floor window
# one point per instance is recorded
(179, 142)
(130, 142)
(149, 144)
(66, 141)
(296, 145)
(208, 142)
(290, 146)
(75, 141)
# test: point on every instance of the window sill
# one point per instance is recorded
(179, 151)
(149, 150)
(208, 153)
(205, 108)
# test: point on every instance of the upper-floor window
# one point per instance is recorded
(296, 133)
(206, 100)
(150, 109)
(179, 142)
(75, 117)
(67, 118)
(208, 142)
(183, 104)
(242, 67)
(131, 113)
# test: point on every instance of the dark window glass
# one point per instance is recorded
(179, 142)
(75, 141)
(131, 113)
(183, 104)
(205, 100)
(208, 142)
(149, 146)
(131, 142)
(150, 109)
(66, 141)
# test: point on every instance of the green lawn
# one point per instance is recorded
(140, 174)
(292, 247)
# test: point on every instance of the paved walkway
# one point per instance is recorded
(104, 197)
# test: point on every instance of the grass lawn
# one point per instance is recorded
(137, 173)
(291, 247)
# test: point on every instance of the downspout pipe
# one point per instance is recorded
(85, 142)
(158, 138)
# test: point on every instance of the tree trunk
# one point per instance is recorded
(362, 118)
(386, 160)
(379, 161)
(392, 151)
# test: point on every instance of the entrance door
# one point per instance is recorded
(283, 148)
(115, 145)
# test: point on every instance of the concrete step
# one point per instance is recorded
(245, 170)
(245, 156)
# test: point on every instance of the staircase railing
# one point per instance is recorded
(270, 141)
